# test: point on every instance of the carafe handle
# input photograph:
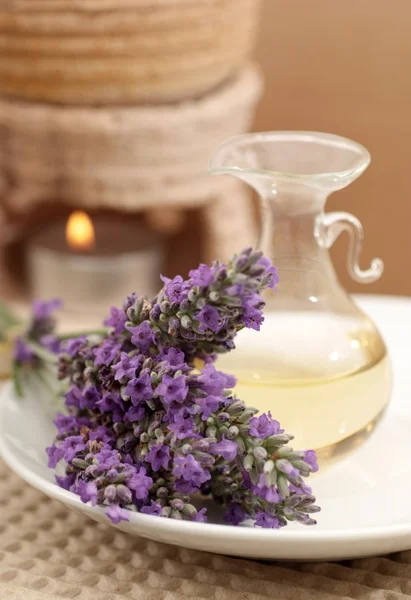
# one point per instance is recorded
(330, 226)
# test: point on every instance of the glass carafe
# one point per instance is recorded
(318, 363)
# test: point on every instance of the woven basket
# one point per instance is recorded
(128, 51)
(127, 158)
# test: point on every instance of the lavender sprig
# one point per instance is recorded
(38, 345)
(203, 314)
(145, 431)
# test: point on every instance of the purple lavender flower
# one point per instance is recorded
(153, 509)
(264, 426)
(71, 446)
(183, 427)
(68, 423)
(66, 481)
(135, 414)
(106, 352)
(43, 309)
(74, 345)
(55, 454)
(226, 448)
(173, 389)
(266, 520)
(202, 276)
(266, 492)
(140, 483)
(253, 318)
(214, 382)
(101, 434)
(158, 457)
(126, 367)
(90, 397)
(87, 491)
(310, 457)
(176, 289)
(22, 352)
(139, 389)
(209, 318)
(109, 402)
(271, 271)
(235, 514)
(189, 469)
(51, 342)
(142, 336)
(117, 320)
(285, 466)
(200, 516)
(74, 397)
(117, 514)
(207, 406)
(174, 358)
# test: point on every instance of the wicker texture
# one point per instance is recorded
(107, 51)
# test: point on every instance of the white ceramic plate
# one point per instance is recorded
(365, 498)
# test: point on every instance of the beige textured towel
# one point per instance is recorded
(48, 552)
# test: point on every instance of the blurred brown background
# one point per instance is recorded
(345, 67)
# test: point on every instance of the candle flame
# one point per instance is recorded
(80, 231)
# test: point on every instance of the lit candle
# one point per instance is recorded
(93, 264)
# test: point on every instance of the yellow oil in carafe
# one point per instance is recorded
(326, 379)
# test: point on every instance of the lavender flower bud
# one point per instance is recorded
(112, 475)
(247, 415)
(232, 432)
(241, 445)
(79, 463)
(274, 441)
(162, 492)
(119, 428)
(91, 471)
(271, 478)
(237, 408)
(260, 453)
(200, 304)
(186, 322)
(159, 434)
(144, 438)
(202, 444)
(282, 485)
(185, 305)
(177, 504)
(256, 270)
(175, 514)
(268, 466)
(239, 263)
(214, 296)
(248, 462)
(222, 417)
(124, 494)
(204, 459)
(189, 510)
(165, 306)
(166, 512)
(211, 431)
(147, 364)
(110, 493)
(173, 326)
